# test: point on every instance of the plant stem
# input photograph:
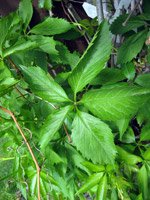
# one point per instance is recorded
(28, 146)
(13, 64)
(66, 131)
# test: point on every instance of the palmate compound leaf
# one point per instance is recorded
(115, 102)
(93, 60)
(52, 125)
(43, 85)
(93, 138)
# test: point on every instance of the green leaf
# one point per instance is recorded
(131, 47)
(75, 157)
(108, 76)
(144, 113)
(115, 102)
(128, 70)
(7, 85)
(6, 23)
(25, 12)
(4, 27)
(44, 86)
(47, 4)
(147, 154)
(93, 167)
(143, 182)
(145, 133)
(51, 26)
(45, 179)
(73, 34)
(4, 72)
(52, 124)
(143, 80)
(122, 125)
(127, 157)
(118, 26)
(145, 16)
(139, 197)
(6, 79)
(129, 136)
(62, 77)
(122, 187)
(30, 58)
(91, 135)
(146, 6)
(90, 182)
(20, 45)
(93, 60)
(46, 44)
(148, 55)
(114, 195)
(51, 155)
(65, 56)
(102, 189)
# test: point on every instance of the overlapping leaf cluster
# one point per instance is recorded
(79, 123)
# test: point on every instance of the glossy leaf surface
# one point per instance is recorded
(93, 60)
(116, 101)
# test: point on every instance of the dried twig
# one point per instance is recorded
(29, 148)
(100, 13)
(62, 4)
(76, 19)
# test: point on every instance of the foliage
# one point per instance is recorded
(87, 127)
